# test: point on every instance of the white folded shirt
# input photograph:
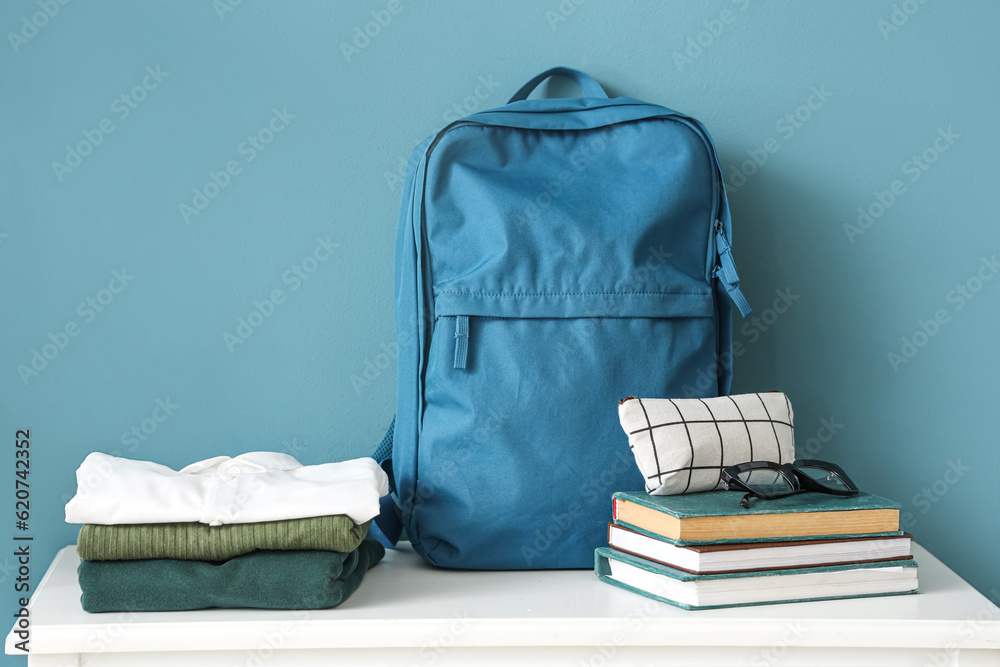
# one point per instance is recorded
(258, 486)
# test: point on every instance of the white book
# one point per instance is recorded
(740, 557)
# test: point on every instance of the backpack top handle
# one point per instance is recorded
(588, 86)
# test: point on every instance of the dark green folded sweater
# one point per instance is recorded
(262, 580)
(199, 541)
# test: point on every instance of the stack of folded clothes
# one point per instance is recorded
(259, 530)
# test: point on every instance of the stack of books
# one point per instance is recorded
(702, 551)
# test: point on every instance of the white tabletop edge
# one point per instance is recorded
(693, 628)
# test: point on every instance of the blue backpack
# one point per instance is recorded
(553, 257)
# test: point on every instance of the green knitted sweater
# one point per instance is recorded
(199, 541)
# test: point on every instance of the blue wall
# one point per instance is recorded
(225, 152)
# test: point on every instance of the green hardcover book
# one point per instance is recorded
(716, 517)
(740, 589)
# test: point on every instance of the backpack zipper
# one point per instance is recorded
(725, 270)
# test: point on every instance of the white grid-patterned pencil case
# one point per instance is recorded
(681, 445)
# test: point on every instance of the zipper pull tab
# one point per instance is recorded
(726, 270)
(461, 341)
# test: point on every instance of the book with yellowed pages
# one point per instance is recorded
(750, 556)
(716, 517)
(708, 591)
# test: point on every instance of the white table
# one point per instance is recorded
(408, 613)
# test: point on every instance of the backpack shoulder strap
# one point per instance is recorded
(388, 525)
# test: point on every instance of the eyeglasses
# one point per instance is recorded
(768, 480)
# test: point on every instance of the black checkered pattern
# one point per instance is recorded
(681, 445)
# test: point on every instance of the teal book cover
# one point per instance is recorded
(726, 503)
(602, 569)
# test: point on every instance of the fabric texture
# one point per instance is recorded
(552, 256)
(196, 541)
(259, 486)
(262, 580)
(681, 445)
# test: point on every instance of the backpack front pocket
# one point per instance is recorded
(519, 423)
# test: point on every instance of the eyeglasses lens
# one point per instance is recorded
(827, 478)
(765, 481)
